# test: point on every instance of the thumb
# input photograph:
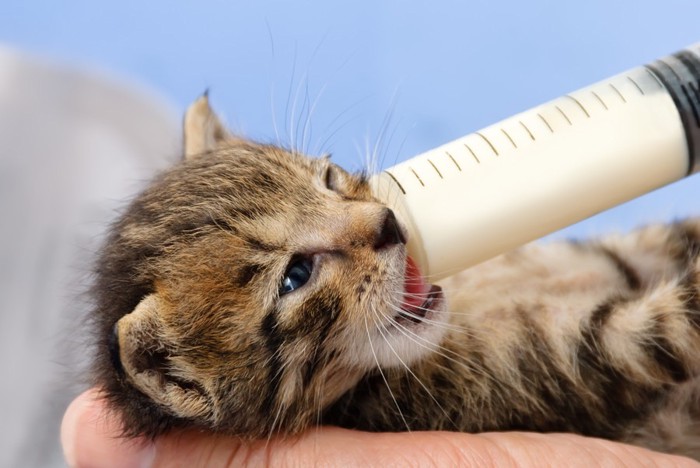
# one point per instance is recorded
(90, 438)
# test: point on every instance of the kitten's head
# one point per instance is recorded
(250, 287)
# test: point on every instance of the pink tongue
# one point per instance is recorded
(415, 288)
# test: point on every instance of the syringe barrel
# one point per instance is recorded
(549, 167)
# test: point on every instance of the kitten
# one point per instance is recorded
(251, 290)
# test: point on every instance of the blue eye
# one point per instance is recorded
(296, 276)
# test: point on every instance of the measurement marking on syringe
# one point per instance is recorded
(508, 136)
(453, 160)
(656, 78)
(636, 85)
(618, 93)
(563, 114)
(417, 176)
(532, 137)
(397, 182)
(599, 99)
(472, 152)
(547, 123)
(435, 167)
(489, 143)
(579, 104)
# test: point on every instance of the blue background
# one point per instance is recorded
(409, 75)
(338, 76)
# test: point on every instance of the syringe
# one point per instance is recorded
(548, 167)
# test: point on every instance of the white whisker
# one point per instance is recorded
(380, 326)
(287, 118)
(384, 128)
(463, 361)
(436, 323)
(381, 372)
(304, 110)
(273, 426)
(340, 125)
(319, 407)
(272, 86)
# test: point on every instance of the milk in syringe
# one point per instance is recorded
(548, 167)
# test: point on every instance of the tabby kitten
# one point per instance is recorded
(251, 290)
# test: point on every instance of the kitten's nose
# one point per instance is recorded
(389, 232)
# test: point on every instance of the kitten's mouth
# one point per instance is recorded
(420, 298)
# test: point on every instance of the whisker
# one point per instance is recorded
(288, 120)
(273, 426)
(304, 110)
(445, 291)
(319, 407)
(439, 324)
(381, 372)
(274, 114)
(306, 137)
(420, 382)
(306, 104)
(384, 127)
(341, 125)
(272, 85)
(462, 361)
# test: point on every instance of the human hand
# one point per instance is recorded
(89, 438)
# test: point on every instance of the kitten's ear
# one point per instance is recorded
(150, 361)
(203, 130)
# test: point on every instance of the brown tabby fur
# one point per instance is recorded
(599, 338)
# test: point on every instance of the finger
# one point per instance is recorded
(335, 447)
(90, 439)
(571, 450)
(341, 447)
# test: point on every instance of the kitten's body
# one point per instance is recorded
(254, 291)
(585, 338)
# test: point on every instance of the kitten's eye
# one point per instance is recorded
(296, 276)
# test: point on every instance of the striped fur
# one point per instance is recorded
(597, 338)
(589, 338)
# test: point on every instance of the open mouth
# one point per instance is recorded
(420, 298)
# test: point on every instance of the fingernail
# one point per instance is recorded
(90, 438)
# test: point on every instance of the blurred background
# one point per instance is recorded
(91, 96)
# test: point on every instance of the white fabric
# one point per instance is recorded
(74, 146)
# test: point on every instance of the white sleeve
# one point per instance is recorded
(74, 146)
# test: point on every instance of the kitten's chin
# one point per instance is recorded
(415, 326)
